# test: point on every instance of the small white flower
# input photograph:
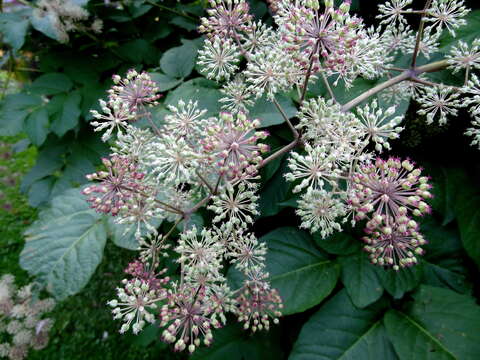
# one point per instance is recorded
(235, 204)
(441, 100)
(447, 13)
(379, 125)
(392, 11)
(185, 119)
(465, 56)
(219, 58)
(320, 210)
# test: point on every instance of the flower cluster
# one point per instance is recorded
(192, 160)
(65, 16)
(127, 102)
(22, 322)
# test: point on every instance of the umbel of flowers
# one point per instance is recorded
(22, 322)
(191, 161)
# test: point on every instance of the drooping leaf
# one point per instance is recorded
(36, 126)
(68, 117)
(441, 324)
(13, 27)
(397, 283)
(65, 245)
(178, 62)
(360, 279)
(339, 330)
(47, 23)
(301, 273)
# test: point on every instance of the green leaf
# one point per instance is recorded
(443, 263)
(13, 111)
(51, 84)
(47, 23)
(184, 23)
(139, 51)
(360, 279)
(123, 235)
(165, 82)
(201, 90)
(339, 330)
(233, 343)
(339, 243)
(301, 273)
(274, 193)
(36, 126)
(68, 117)
(268, 113)
(178, 62)
(14, 28)
(397, 283)
(468, 217)
(466, 33)
(39, 192)
(65, 245)
(50, 159)
(440, 324)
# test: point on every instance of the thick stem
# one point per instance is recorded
(287, 120)
(420, 34)
(279, 153)
(406, 75)
(309, 72)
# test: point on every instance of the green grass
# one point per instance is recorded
(84, 328)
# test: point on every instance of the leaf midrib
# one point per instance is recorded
(425, 332)
(276, 277)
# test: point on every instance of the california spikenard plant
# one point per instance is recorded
(335, 162)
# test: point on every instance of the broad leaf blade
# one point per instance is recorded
(339, 330)
(360, 279)
(301, 273)
(65, 245)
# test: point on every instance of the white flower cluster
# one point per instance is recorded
(192, 161)
(65, 16)
(22, 322)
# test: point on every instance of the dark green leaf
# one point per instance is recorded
(65, 245)
(200, 90)
(268, 113)
(233, 343)
(300, 272)
(340, 243)
(139, 51)
(184, 23)
(178, 62)
(36, 126)
(51, 84)
(14, 28)
(165, 82)
(441, 324)
(468, 216)
(443, 263)
(68, 117)
(339, 330)
(14, 109)
(39, 192)
(274, 193)
(397, 283)
(360, 279)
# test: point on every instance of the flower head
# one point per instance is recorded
(389, 190)
(118, 185)
(135, 90)
(231, 145)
